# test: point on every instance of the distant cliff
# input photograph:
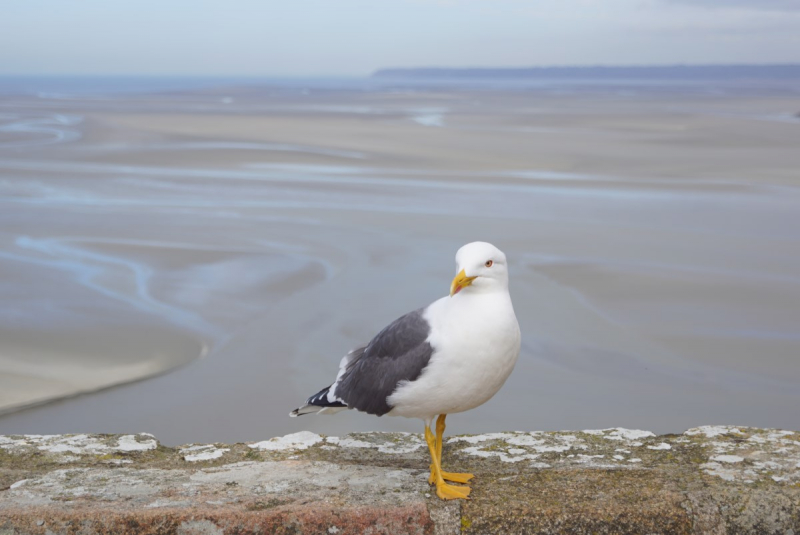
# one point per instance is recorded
(669, 72)
(712, 479)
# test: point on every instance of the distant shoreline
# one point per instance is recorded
(666, 72)
(778, 78)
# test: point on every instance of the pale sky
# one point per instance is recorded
(355, 37)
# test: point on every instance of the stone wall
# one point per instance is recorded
(710, 479)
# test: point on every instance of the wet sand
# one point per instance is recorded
(243, 240)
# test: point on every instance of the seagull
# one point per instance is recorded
(448, 357)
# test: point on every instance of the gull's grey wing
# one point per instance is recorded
(398, 353)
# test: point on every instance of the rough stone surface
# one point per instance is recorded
(713, 479)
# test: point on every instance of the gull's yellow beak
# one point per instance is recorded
(460, 282)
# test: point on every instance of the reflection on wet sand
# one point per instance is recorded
(653, 253)
(19, 130)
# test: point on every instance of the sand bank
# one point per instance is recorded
(653, 243)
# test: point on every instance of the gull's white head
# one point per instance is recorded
(481, 267)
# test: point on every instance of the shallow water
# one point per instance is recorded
(246, 251)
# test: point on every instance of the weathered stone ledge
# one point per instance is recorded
(714, 479)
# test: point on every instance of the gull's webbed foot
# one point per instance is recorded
(451, 492)
(455, 477)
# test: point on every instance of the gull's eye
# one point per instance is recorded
(489, 263)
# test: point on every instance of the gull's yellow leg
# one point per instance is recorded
(449, 476)
(443, 490)
(436, 455)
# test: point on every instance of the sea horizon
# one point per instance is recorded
(767, 77)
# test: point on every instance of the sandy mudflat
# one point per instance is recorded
(654, 241)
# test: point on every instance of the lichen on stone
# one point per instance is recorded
(714, 478)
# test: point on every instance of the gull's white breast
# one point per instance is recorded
(476, 342)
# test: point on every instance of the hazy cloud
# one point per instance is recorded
(356, 37)
(759, 5)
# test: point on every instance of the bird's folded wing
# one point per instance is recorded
(399, 353)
